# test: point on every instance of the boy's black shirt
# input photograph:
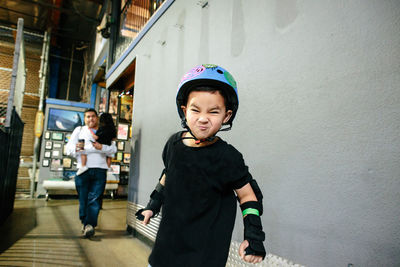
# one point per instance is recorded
(199, 208)
(105, 134)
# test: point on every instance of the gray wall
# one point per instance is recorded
(318, 122)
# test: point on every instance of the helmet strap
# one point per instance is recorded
(208, 139)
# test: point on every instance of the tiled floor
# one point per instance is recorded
(41, 233)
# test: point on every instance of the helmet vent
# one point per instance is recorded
(220, 71)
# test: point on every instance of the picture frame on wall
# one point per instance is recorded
(45, 163)
(113, 104)
(55, 153)
(67, 163)
(57, 145)
(127, 158)
(124, 168)
(119, 156)
(56, 165)
(126, 108)
(47, 154)
(57, 136)
(115, 168)
(47, 135)
(123, 131)
(48, 145)
(103, 100)
(121, 145)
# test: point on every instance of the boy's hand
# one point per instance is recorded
(147, 215)
(248, 258)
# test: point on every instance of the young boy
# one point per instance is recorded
(201, 174)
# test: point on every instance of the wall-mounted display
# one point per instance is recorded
(120, 145)
(57, 136)
(67, 137)
(48, 145)
(124, 168)
(126, 108)
(47, 154)
(67, 163)
(47, 135)
(127, 157)
(115, 168)
(122, 132)
(103, 100)
(113, 105)
(57, 145)
(65, 150)
(45, 163)
(56, 165)
(55, 153)
(118, 157)
(64, 120)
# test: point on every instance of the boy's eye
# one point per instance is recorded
(194, 110)
(214, 112)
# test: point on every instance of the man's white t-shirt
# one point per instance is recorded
(95, 158)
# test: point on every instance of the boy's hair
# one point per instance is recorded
(208, 89)
(91, 110)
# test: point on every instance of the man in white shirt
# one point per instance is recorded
(90, 184)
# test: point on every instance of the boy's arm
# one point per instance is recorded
(156, 200)
(252, 249)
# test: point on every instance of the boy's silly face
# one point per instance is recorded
(205, 113)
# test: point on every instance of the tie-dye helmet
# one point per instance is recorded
(208, 75)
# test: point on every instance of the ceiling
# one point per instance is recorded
(71, 21)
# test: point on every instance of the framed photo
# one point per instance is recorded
(65, 150)
(126, 108)
(57, 136)
(127, 158)
(124, 168)
(103, 100)
(45, 163)
(119, 156)
(57, 145)
(116, 168)
(47, 135)
(121, 145)
(56, 165)
(113, 105)
(67, 163)
(55, 153)
(67, 137)
(122, 132)
(47, 154)
(48, 145)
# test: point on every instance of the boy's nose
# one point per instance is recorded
(203, 119)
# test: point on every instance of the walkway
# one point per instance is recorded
(41, 233)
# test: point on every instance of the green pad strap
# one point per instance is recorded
(251, 211)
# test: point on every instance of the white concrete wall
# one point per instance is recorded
(318, 122)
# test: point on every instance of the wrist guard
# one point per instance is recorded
(155, 203)
(254, 234)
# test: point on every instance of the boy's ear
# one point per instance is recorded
(228, 115)
(184, 110)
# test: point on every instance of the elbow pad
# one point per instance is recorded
(155, 203)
